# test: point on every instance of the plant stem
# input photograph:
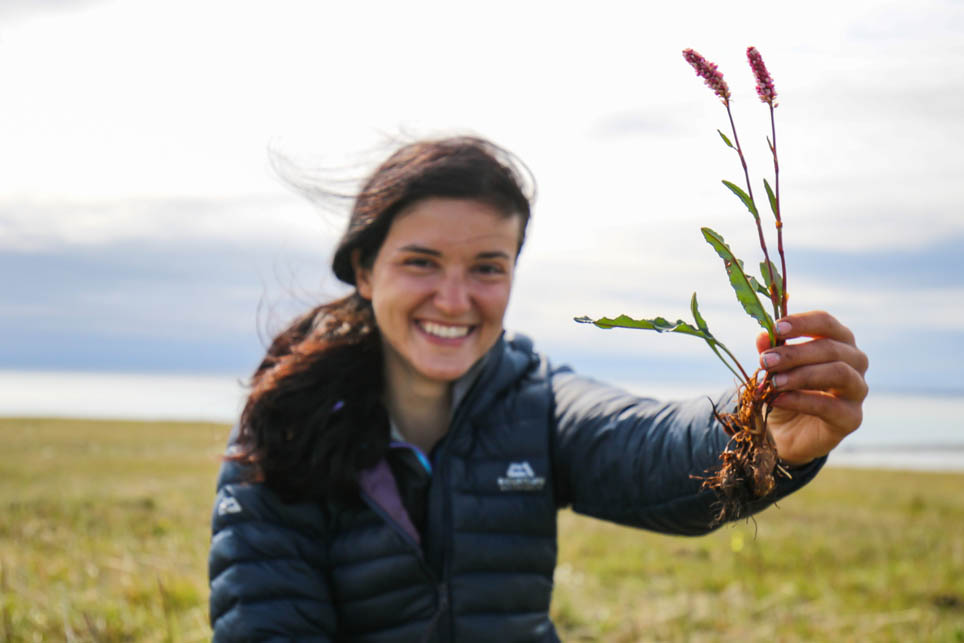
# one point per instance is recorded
(746, 378)
(749, 191)
(779, 225)
(726, 363)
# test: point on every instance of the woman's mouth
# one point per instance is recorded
(444, 331)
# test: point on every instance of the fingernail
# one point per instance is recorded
(770, 359)
(779, 380)
(783, 328)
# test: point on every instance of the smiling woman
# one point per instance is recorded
(400, 460)
(423, 255)
(440, 284)
(439, 287)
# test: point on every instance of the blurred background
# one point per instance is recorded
(149, 249)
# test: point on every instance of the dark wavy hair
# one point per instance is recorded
(315, 415)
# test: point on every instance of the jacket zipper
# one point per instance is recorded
(459, 416)
(374, 506)
(441, 591)
(441, 585)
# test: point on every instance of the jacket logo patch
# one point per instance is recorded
(520, 477)
(229, 505)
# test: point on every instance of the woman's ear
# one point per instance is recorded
(363, 280)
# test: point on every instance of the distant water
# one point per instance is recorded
(214, 398)
(899, 431)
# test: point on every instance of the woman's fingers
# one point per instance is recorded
(815, 324)
(838, 378)
(788, 357)
(820, 381)
(832, 342)
(840, 416)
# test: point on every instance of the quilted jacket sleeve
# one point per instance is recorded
(267, 566)
(632, 460)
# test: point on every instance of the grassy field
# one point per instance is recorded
(104, 533)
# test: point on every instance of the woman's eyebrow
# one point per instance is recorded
(492, 254)
(489, 254)
(421, 250)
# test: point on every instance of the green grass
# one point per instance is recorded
(104, 537)
(104, 529)
(857, 555)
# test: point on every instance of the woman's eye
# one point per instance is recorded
(418, 262)
(489, 269)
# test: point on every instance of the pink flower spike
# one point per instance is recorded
(708, 72)
(764, 84)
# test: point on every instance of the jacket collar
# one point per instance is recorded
(508, 360)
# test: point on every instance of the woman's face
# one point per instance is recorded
(440, 284)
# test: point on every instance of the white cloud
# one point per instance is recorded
(45, 223)
(127, 121)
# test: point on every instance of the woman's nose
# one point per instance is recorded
(452, 296)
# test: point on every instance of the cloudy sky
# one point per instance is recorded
(143, 228)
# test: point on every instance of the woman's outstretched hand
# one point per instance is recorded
(821, 383)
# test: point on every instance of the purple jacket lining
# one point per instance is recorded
(379, 483)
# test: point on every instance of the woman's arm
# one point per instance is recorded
(266, 566)
(639, 461)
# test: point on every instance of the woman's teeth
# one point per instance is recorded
(446, 332)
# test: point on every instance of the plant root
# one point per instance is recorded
(749, 464)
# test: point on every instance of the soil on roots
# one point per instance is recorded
(749, 463)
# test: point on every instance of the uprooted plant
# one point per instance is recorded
(749, 463)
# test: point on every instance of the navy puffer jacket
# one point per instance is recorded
(525, 441)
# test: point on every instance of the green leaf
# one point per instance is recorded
(747, 201)
(659, 324)
(757, 286)
(725, 139)
(712, 342)
(695, 309)
(742, 285)
(772, 197)
(771, 275)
